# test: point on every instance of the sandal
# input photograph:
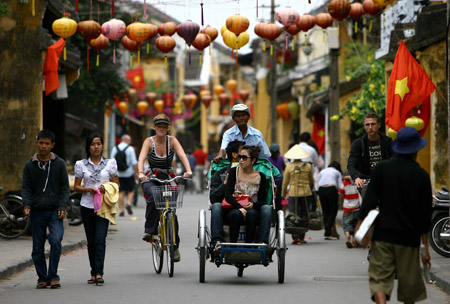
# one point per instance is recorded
(99, 281)
(92, 280)
(302, 241)
(41, 285)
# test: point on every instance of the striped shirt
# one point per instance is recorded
(156, 161)
(351, 196)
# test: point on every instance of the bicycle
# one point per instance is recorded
(168, 197)
(13, 223)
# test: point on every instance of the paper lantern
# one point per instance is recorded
(204, 92)
(371, 7)
(150, 97)
(211, 32)
(167, 28)
(138, 31)
(168, 99)
(98, 44)
(194, 100)
(206, 100)
(324, 20)
(283, 112)
(243, 95)
(259, 31)
(224, 99)
(293, 109)
(131, 46)
(142, 107)
(356, 10)
(201, 42)
(306, 22)
(188, 30)
(383, 3)
(237, 24)
(339, 9)
(165, 44)
(187, 100)
(415, 122)
(231, 85)
(287, 16)
(225, 112)
(153, 31)
(392, 133)
(292, 29)
(271, 32)
(218, 89)
(159, 106)
(123, 108)
(64, 28)
(89, 29)
(114, 29)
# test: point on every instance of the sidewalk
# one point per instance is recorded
(440, 266)
(15, 255)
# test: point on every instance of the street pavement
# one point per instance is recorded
(17, 276)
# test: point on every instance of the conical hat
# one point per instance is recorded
(296, 152)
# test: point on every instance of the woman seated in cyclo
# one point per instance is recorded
(159, 150)
(247, 181)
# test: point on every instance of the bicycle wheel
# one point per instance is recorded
(12, 221)
(170, 242)
(157, 254)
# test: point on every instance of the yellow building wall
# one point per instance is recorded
(261, 120)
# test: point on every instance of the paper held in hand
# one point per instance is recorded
(362, 234)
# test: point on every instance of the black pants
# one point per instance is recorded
(329, 200)
(279, 184)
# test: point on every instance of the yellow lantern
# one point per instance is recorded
(232, 85)
(204, 92)
(415, 122)
(142, 107)
(178, 108)
(392, 133)
(159, 105)
(218, 89)
(64, 28)
(123, 108)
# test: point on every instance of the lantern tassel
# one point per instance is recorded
(264, 45)
(256, 8)
(131, 60)
(139, 56)
(293, 42)
(271, 49)
(324, 36)
(165, 62)
(112, 8)
(356, 27)
(87, 59)
(145, 9)
(76, 5)
(65, 54)
(185, 48)
(232, 53)
(98, 60)
(201, 5)
(114, 53)
(33, 10)
(200, 63)
(148, 47)
(286, 42)
(237, 57)
(306, 40)
(370, 25)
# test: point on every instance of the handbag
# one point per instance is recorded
(242, 199)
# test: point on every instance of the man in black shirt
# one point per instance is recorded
(401, 190)
(368, 150)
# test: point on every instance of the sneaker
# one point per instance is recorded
(130, 212)
(176, 256)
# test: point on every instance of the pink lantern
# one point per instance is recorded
(188, 30)
(114, 29)
(287, 16)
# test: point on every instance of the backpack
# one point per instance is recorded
(121, 159)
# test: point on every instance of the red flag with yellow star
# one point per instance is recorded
(318, 134)
(409, 87)
(136, 76)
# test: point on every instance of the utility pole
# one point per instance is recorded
(334, 138)
(272, 86)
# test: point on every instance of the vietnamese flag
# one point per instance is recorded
(318, 134)
(136, 76)
(409, 87)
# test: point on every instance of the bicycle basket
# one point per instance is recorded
(167, 196)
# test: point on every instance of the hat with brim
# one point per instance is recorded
(408, 141)
(296, 152)
(239, 108)
(161, 121)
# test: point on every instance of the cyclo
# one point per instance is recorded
(240, 254)
(168, 196)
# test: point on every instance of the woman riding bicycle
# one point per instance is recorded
(159, 150)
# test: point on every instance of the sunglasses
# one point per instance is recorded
(243, 157)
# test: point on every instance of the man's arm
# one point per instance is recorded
(64, 190)
(354, 159)
(27, 195)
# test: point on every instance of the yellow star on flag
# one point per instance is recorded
(401, 87)
(320, 133)
(138, 79)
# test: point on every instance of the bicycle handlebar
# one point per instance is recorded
(165, 181)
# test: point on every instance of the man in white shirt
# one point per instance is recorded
(313, 158)
(128, 176)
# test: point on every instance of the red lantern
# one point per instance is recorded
(167, 28)
(212, 32)
(165, 44)
(339, 9)
(89, 30)
(206, 100)
(243, 94)
(237, 24)
(224, 99)
(99, 44)
(371, 7)
(151, 98)
(187, 100)
(168, 99)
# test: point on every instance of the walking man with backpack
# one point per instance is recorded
(127, 171)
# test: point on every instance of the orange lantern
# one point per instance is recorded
(237, 24)
(372, 9)
(138, 32)
(271, 31)
(99, 44)
(64, 28)
(212, 32)
(218, 89)
(151, 35)
(167, 28)
(204, 92)
(283, 111)
(356, 12)
(187, 100)
(142, 107)
(150, 97)
(339, 9)
(194, 100)
(159, 106)
(200, 42)
(383, 3)
(123, 108)
(165, 44)
(324, 20)
(231, 85)
(206, 100)
(89, 30)
(131, 46)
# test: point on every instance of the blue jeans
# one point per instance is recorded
(40, 220)
(96, 229)
(261, 217)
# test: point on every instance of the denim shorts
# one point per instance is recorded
(349, 220)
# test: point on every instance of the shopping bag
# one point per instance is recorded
(243, 200)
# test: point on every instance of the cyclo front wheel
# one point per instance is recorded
(170, 242)
(13, 223)
(157, 253)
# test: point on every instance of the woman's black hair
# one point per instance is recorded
(89, 141)
(336, 166)
(253, 151)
